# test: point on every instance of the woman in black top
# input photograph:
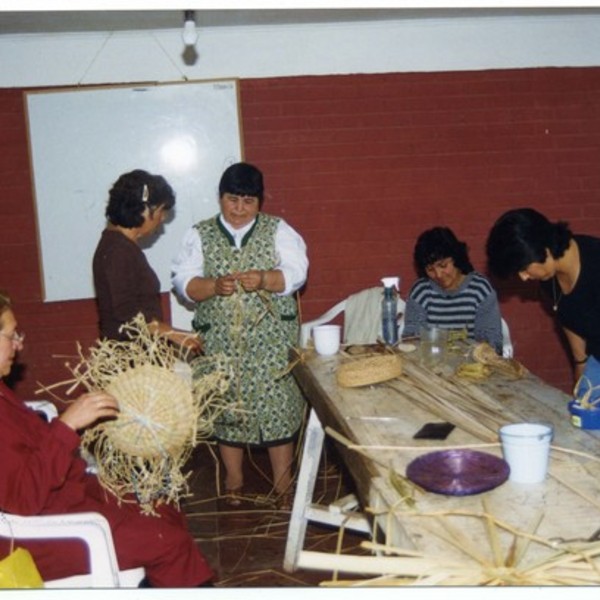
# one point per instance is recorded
(525, 242)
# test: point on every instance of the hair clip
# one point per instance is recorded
(145, 194)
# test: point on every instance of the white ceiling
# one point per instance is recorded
(89, 20)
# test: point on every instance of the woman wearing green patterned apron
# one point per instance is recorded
(241, 268)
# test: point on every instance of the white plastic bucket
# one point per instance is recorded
(526, 449)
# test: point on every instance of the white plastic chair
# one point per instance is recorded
(48, 409)
(507, 346)
(90, 527)
(340, 307)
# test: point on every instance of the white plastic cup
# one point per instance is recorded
(327, 339)
(526, 449)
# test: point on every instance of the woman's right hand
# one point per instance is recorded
(186, 340)
(199, 289)
(226, 285)
(88, 409)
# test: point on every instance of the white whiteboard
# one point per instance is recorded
(82, 140)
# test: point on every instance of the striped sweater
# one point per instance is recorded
(473, 305)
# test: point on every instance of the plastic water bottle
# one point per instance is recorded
(389, 310)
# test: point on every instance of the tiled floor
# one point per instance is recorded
(246, 545)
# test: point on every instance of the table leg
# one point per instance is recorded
(307, 477)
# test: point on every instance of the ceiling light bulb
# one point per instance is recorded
(190, 35)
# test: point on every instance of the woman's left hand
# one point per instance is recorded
(252, 281)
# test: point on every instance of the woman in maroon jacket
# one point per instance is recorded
(42, 473)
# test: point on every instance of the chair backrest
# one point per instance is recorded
(306, 328)
(507, 346)
(92, 528)
(45, 407)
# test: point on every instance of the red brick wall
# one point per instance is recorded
(360, 165)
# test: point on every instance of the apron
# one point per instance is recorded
(254, 332)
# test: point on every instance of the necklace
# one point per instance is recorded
(555, 299)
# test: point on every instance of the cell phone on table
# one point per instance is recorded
(434, 431)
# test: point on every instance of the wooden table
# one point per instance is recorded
(376, 425)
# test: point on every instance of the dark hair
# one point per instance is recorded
(439, 243)
(242, 179)
(521, 237)
(135, 191)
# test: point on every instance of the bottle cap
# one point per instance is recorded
(389, 282)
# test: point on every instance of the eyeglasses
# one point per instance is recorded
(15, 338)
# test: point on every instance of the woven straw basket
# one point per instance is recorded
(370, 370)
(157, 415)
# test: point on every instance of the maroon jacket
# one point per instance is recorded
(42, 473)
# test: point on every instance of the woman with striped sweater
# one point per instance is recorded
(449, 293)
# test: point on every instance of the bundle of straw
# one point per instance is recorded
(483, 353)
(509, 560)
(585, 394)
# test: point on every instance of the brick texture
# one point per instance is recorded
(360, 165)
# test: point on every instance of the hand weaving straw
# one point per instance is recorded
(162, 414)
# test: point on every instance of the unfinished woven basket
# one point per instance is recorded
(370, 370)
(163, 413)
(157, 412)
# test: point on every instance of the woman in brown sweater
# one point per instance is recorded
(125, 282)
